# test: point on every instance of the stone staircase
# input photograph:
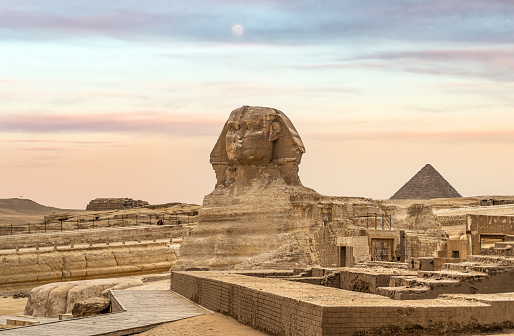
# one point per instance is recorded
(480, 274)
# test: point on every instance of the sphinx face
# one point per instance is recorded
(248, 139)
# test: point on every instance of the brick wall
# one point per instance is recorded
(274, 314)
(271, 306)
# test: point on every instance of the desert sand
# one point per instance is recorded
(209, 324)
(12, 307)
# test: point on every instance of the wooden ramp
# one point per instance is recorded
(139, 310)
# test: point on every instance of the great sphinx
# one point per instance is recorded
(257, 144)
(259, 214)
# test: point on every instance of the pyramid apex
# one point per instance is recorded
(426, 184)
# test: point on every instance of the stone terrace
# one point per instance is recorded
(282, 307)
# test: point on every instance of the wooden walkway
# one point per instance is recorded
(142, 311)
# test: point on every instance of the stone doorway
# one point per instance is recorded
(345, 256)
(382, 249)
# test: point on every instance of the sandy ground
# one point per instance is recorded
(12, 307)
(204, 325)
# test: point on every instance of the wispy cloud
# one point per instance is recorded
(472, 136)
(79, 142)
(47, 157)
(494, 63)
(110, 122)
(44, 149)
(273, 21)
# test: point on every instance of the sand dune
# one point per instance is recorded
(22, 211)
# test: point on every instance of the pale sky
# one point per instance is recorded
(127, 98)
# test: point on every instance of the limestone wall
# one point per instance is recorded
(485, 225)
(422, 244)
(261, 310)
(94, 236)
(288, 308)
(100, 204)
(452, 220)
(109, 261)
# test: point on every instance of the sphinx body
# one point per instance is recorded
(259, 214)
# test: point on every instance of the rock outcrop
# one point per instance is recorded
(101, 204)
(61, 297)
(91, 306)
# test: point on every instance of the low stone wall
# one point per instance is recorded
(359, 280)
(101, 204)
(94, 236)
(452, 220)
(19, 269)
(288, 308)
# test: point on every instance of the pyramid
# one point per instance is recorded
(426, 184)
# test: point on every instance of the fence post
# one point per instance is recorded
(45, 226)
(29, 227)
(61, 224)
(11, 229)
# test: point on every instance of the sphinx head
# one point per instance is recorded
(257, 137)
(250, 135)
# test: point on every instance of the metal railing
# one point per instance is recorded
(121, 220)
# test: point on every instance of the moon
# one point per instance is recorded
(237, 30)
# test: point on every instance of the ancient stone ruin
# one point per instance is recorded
(100, 204)
(426, 184)
(261, 216)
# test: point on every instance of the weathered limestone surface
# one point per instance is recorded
(100, 204)
(60, 298)
(91, 306)
(31, 267)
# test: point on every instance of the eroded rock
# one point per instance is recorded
(60, 298)
(91, 306)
